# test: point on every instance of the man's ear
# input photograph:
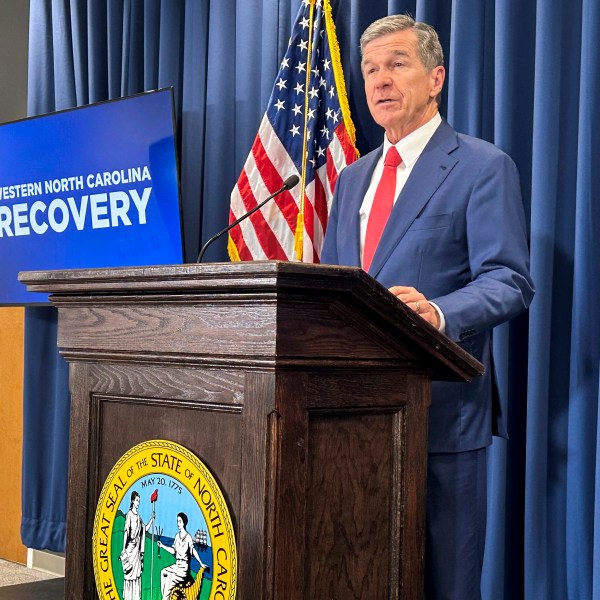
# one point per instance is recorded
(438, 76)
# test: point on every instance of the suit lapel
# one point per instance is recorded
(428, 174)
(357, 184)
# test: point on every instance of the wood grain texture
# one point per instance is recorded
(348, 540)
(11, 431)
(115, 407)
(304, 389)
(250, 288)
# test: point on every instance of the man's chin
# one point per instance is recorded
(387, 113)
(387, 121)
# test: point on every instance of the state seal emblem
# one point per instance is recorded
(162, 530)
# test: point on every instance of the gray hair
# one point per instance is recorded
(429, 48)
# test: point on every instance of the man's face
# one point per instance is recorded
(400, 91)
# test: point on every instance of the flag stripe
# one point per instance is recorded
(332, 173)
(238, 239)
(320, 201)
(264, 234)
(314, 145)
(350, 153)
(273, 181)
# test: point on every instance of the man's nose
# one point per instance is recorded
(382, 79)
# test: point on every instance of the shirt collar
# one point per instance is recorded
(411, 146)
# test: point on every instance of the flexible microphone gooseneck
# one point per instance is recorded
(288, 184)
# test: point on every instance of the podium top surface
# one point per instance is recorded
(334, 300)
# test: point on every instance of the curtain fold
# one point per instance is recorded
(524, 75)
(582, 499)
(46, 434)
(552, 216)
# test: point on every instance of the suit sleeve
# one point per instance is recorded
(500, 286)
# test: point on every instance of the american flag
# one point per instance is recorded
(307, 116)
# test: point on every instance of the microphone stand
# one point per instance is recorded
(289, 183)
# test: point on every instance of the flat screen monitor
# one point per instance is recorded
(95, 186)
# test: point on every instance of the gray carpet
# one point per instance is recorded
(12, 574)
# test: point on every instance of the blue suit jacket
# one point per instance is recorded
(457, 234)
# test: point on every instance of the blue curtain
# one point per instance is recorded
(524, 74)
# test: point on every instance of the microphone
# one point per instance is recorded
(288, 184)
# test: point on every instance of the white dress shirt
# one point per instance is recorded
(409, 148)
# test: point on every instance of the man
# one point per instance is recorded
(437, 217)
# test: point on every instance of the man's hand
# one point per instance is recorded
(417, 302)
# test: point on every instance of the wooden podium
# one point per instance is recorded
(303, 388)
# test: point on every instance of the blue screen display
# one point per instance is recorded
(95, 186)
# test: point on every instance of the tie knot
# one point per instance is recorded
(392, 158)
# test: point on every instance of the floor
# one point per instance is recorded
(20, 583)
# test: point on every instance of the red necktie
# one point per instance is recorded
(383, 203)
